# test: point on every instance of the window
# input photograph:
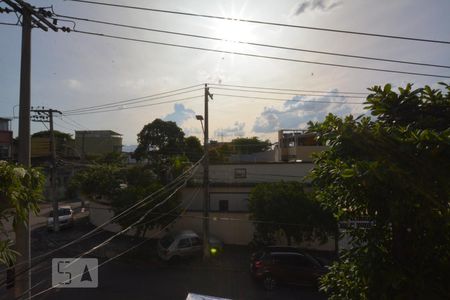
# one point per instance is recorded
(184, 243)
(240, 173)
(196, 241)
(223, 205)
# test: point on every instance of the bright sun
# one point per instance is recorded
(233, 32)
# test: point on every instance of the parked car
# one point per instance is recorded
(185, 243)
(273, 265)
(65, 218)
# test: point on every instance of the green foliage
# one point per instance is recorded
(222, 153)
(160, 139)
(97, 181)
(124, 187)
(20, 192)
(284, 203)
(58, 135)
(194, 150)
(249, 145)
(112, 158)
(395, 171)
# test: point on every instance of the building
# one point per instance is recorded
(6, 139)
(296, 145)
(97, 142)
(230, 188)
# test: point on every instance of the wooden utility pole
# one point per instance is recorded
(22, 231)
(206, 202)
(30, 17)
(46, 115)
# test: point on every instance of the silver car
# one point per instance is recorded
(65, 217)
(184, 244)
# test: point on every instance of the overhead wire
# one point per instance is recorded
(278, 58)
(267, 23)
(290, 100)
(135, 206)
(131, 107)
(253, 43)
(333, 95)
(135, 100)
(128, 249)
(284, 89)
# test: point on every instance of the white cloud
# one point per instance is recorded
(180, 114)
(236, 130)
(295, 113)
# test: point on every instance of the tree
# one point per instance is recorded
(194, 150)
(124, 187)
(249, 145)
(286, 207)
(58, 135)
(395, 171)
(20, 192)
(159, 140)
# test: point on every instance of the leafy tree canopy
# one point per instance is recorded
(124, 187)
(250, 145)
(20, 192)
(159, 140)
(58, 135)
(286, 207)
(222, 153)
(194, 150)
(394, 171)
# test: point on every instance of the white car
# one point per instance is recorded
(184, 244)
(65, 217)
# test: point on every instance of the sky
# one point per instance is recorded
(73, 70)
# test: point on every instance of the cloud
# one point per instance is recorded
(180, 114)
(320, 5)
(237, 129)
(295, 114)
(72, 83)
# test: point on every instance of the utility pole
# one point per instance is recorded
(46, 115)
(30, 17)
(206, 203)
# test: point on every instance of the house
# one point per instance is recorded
(296, 145)
(6, 139)
(97, 142)
(229, 192)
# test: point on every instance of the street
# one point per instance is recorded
(141, 275)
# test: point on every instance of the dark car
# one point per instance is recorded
(273, 265)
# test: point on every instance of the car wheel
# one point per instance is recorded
(269, 282)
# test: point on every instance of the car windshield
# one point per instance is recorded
(167, 241)
(61, 212)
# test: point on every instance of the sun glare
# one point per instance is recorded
(233, 33)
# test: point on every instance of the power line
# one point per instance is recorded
(284, 89)
(138, 106)
(261, 56)
(254, 44)
(293, 100)
(267, 23)
(283, 93)
(59, 125)
(138, 205)
(169, 213)
(138, 99)
(127, 250)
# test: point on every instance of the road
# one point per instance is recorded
(140, 275)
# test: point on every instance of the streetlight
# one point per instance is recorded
(200, 118)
